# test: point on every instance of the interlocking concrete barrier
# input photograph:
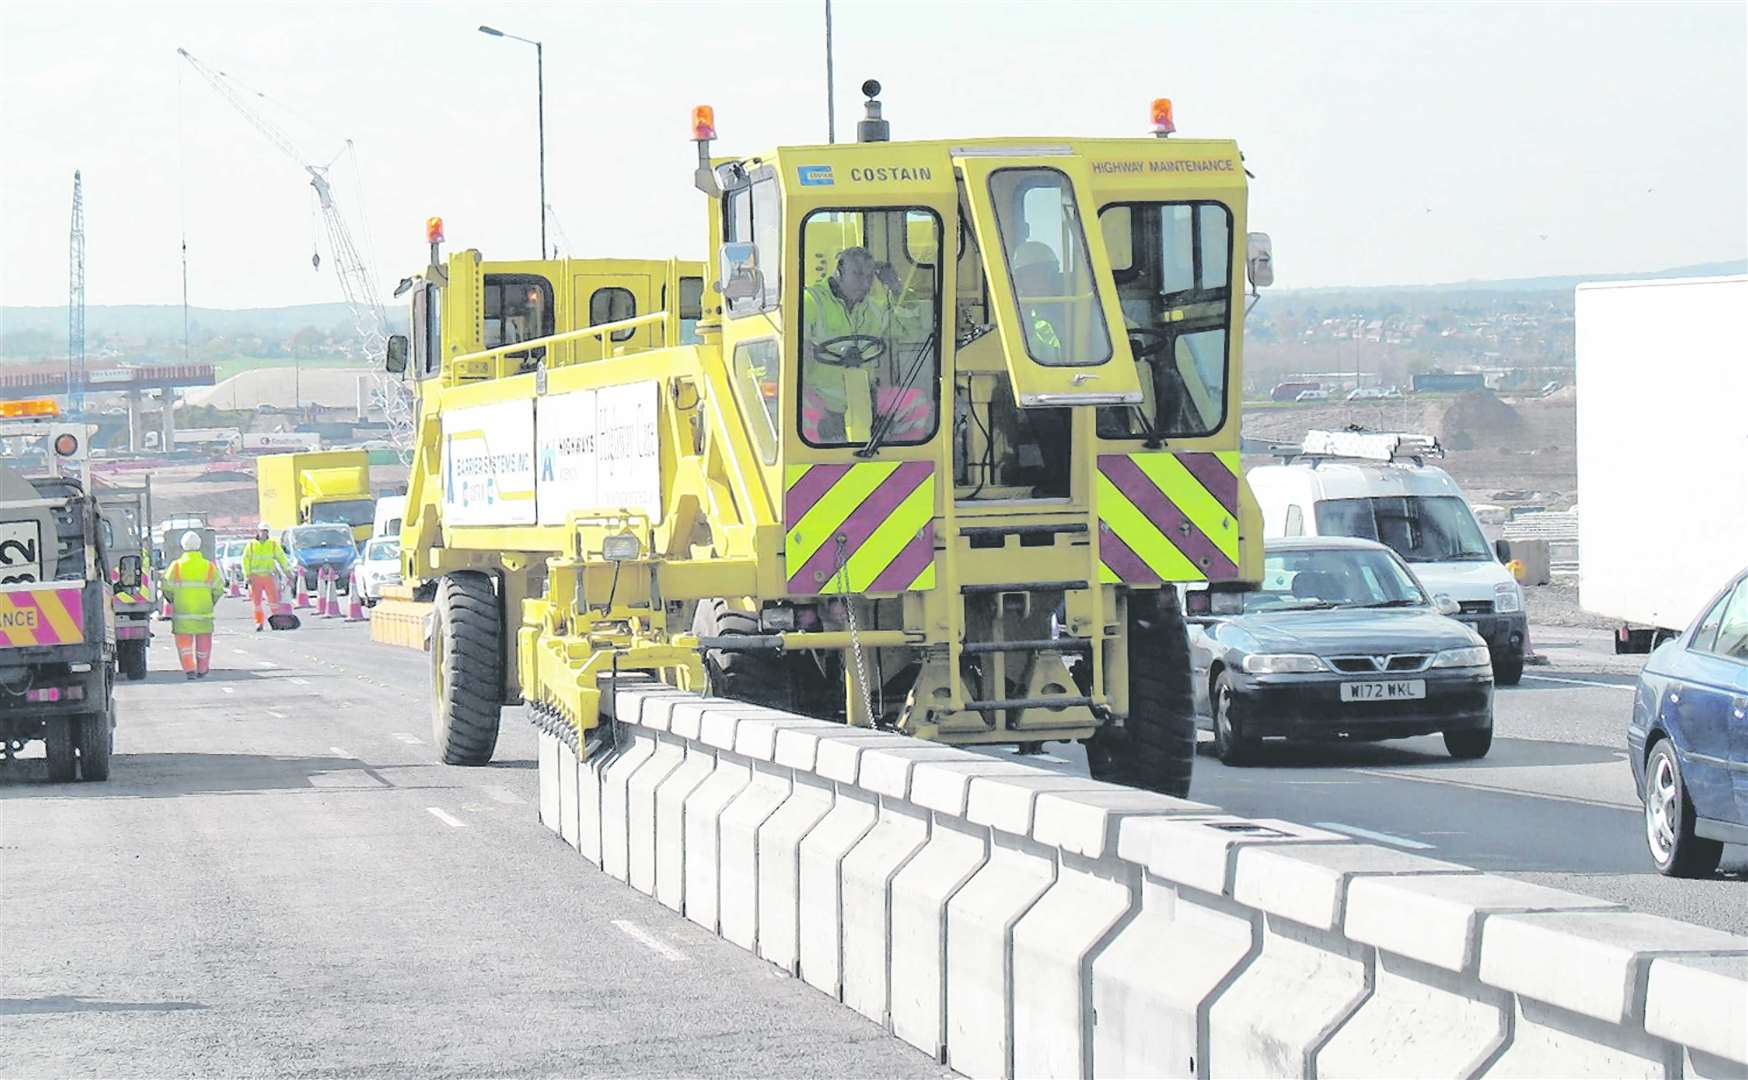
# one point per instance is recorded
(1014, 922)
(398, 619)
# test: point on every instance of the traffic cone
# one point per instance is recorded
(354, 609)
(165, 614)
(303, 592)
(333, 611)
(231, 589)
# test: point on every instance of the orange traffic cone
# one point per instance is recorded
(231, 589)
(333, 608)
(303, 592)
(355, 609)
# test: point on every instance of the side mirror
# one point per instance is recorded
(1259, 260)
(1444, 605)
(1502, 548)
(128, 572)
(396, 360)
(741, 279)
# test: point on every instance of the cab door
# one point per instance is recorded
(1053, 298)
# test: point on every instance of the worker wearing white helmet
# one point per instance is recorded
(193, 586)
(262, 558)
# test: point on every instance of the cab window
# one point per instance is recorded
(758, 374)
(613, 304)
(517, 307)
(691, 308)
(753, 215)
(427, 332)
(870, 330)
(1045, 247)
(1173, 266)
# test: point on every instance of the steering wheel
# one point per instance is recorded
(1147, 341)
(850, 350)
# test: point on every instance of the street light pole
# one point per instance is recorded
(540, 99)
(831, 109)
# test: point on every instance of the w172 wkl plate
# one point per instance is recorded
(1384, 690)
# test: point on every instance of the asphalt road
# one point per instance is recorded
(1553, 802)
(278, 880)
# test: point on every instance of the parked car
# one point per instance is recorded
(1688, 738)
(1339, 642)
(314, 547)
(230, 559)
(1312, 395)
(1366, 393)
(381, 565)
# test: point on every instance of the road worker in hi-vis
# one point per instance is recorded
(263, 561)
(193, 585)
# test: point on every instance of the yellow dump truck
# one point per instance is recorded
(323, 487)
(958, 417)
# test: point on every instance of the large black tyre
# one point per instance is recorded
(1507, 669)
(467, 669)
(130, 657)
(1231, 745)
(1470, 744)
(758, 677)
(1156, 749)
(1676, 850)
(96, 742)
(58, 744)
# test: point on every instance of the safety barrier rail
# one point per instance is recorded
(599, 330)
(1016, 922)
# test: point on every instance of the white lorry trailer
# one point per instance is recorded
(1662, 449)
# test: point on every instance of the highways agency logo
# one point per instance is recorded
(814, 175)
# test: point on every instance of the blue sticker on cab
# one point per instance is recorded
(814, 175)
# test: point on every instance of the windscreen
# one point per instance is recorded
(1318, 578)
(384, 550)
(1046, 253)
(321, 536)
(1420, 528)
(344, 512)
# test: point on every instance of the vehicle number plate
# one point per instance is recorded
(1384, 690)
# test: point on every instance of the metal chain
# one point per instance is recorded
(843, 579)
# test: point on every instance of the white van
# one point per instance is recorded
(1377, 487)
(390, 509)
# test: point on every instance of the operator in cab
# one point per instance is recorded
(263, 560)
(848, 339)
(193, 586)
(1038, 279)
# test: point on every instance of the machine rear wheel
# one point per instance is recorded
(758, 677)
(130, 657)
(96, 742)
(467, 669)
(58, 744)
(1156, 750)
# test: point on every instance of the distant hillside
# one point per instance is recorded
(1560, 283)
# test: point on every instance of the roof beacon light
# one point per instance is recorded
(433, 230)
(703, 123)
(1159, 117)
(30, 407)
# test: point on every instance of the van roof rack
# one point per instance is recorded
(1378, 446)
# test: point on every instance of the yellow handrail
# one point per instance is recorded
(597, 331)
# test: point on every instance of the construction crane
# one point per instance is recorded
(349, 266)
(76, 302)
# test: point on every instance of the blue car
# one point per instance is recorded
(1688, 739)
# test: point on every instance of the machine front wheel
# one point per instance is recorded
(467, 669)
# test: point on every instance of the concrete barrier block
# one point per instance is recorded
(1699, 1065)
(756, 737)
(1589, 963)
(587, 805)
(656, 707)
(944, 785)
(569, 805)
(885, 770)
(722, 720)
(640, 811)
(704, 809)
(921, 891)
(868, 869)
(636, 746)
(1276, 1015)
(1148, 1025)
(798, 747)
(839, 757)
(780, 837)
(1419, 1020)
(821, 856)
(1550, 1041)
(549, 782)
(1055, 941)
(1436, 918)
(1200, 852)
(1308, 882)
(686, 718)
(1004, 802)
(739, 837)
(980, 924)
(670, 814)
(1085, 822)
(1701, 1002)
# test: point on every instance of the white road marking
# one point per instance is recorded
(300, 682)
(340, 751)
(240, 652)
(504, 795)
(228, 689)
(410, 740)
(1368, 834)
(1318, 783)
(1582, 682)
(276, 715)
(445, 818)
(645, 938)
(265, 664)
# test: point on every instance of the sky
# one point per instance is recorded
(1392, 144)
